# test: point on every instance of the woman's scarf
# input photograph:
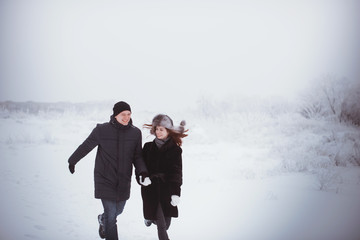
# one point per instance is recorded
(160, 142)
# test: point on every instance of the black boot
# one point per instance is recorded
(101, 226)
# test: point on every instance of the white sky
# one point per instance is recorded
(149, 52)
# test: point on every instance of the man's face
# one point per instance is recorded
(123, 117)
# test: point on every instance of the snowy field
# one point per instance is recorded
(255, 174)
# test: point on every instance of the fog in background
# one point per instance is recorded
(231, 64)
(168, 54)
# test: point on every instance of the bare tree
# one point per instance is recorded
(350, 108)
(326, 97)
(334, 90)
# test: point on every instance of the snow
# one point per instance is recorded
(254, 174)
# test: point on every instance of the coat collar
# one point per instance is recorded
(118, 125)
(167, 145)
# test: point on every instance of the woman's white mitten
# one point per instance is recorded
(175, 200)
(145, 182)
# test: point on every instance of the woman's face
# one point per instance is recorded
(161, 133)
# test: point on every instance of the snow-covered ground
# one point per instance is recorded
(257, 175)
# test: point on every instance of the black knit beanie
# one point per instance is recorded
(121, 106)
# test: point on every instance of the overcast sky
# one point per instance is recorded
(152, 51)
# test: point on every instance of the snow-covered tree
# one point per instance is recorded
(350, 108)
(327, 97)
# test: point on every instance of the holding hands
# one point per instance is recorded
(145, 181)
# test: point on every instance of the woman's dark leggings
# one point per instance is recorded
(162, 223)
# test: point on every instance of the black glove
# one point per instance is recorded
(71, 168)
(144, 175)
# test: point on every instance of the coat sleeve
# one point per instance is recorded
(140, 167)
(175, 176)
(89, 144)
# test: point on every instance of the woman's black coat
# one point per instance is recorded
(165, 168)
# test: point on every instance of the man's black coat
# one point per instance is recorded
(119, 147)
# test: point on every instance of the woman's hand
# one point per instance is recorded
(175, 200)
(145, 181)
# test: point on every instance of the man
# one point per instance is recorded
(119, 147)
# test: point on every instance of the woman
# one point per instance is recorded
(164, 163)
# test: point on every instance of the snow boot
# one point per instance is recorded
(101, 226)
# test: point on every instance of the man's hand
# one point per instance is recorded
(71, 168)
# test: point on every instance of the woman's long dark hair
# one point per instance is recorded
(175, 136)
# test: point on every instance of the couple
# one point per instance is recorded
(158, 168)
